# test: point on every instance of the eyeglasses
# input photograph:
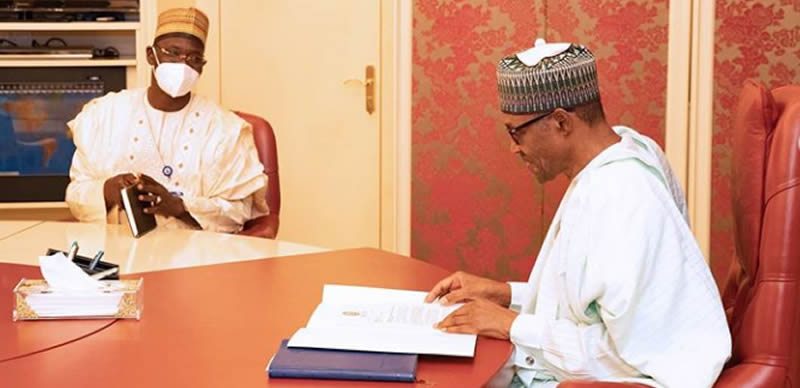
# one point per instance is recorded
(172, 55)
(517, 132)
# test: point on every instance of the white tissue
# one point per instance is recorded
(62, 274)
(541, 50)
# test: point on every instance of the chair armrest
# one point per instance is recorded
(598, 384)
(264, 226)
(752, 375)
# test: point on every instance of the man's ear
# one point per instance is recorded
(150, 59)
(563, 119)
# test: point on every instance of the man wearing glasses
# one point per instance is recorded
(195, 162)
(620, 290)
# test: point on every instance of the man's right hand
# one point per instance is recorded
(113, 186)
(461, 286)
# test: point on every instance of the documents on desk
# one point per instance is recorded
(380, 320)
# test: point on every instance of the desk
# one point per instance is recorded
(157, 250)
(9, 228)
(22, 242)
(218, 326)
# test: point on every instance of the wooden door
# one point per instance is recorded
(301, 65)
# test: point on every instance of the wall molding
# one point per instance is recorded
(396, 63)
(676, 131)
(689, 113)
(701, 122)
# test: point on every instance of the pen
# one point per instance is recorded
(105, 273)
(95, 260)
(73, 250)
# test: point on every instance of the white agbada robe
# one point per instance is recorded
(216, 169)
(620, 290)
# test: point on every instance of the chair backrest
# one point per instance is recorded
(264, 138)
(761, 294)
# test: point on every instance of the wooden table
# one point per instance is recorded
(22, 242)
(158, 250)
(218, 326)
(10, 228)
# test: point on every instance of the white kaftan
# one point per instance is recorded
(214, 162)
(620, 290)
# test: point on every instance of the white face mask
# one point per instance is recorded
(175, 79)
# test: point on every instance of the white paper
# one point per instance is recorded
(433, 342)
(74, 303)
(390, 315)
(62, 274)
(381, 320)
(356, 294)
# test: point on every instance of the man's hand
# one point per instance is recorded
(265, 227)
(113, 186)
(481, 317)
(461, 286)
(162, 201)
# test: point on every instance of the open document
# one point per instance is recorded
(380, 320)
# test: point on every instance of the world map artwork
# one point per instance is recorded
(34, 137)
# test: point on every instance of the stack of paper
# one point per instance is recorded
(70, 292)
(380, 320)
(74, 303)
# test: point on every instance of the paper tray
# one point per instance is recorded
(130, 306)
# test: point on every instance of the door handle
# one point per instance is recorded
(369, 88)
(369, 83)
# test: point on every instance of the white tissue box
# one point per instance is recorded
(35, 300)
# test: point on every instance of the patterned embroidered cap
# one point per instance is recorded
(190, 21)
(547, 76)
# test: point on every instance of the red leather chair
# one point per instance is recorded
(264, 136)
(761, 295)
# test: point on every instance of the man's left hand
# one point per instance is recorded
(163, 202)
(481, 317)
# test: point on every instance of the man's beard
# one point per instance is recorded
(542, 175)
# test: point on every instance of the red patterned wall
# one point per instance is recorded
(758, 40)
(474, 206)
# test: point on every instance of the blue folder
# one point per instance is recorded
(342, 365)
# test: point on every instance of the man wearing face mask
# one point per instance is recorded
(620, 290)
(193, 160)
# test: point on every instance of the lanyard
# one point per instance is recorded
(166, 169)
